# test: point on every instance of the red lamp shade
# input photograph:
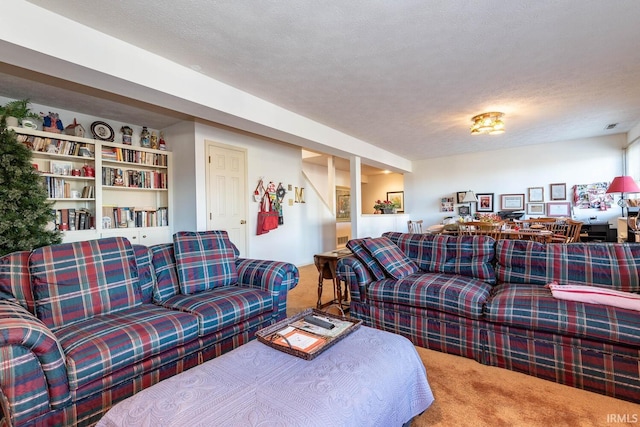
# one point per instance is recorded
(623, 184)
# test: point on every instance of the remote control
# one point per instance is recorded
(319, 322)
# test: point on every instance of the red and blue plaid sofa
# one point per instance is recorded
(486, 300)
(84, 325)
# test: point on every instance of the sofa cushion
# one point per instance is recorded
(470, 256)
(204, 260)
(361, 252)
(76, 281)
(15, 280)
(222, 307)
(449, 293)
(607, 265)
(146, 276)
(533, 307)
(95, 348)
(390, 257)
(164, 265)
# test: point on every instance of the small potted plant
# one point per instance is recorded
(14, 112)
(385, 207)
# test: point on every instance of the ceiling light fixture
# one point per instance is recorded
(490, 123)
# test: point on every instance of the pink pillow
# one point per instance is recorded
(595, 295)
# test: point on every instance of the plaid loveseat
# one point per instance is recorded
(84, 325)
(488, 300)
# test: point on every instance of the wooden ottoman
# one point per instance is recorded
(370, 378)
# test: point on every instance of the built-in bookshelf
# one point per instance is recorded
(100, 188)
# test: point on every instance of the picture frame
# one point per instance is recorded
(511, 202)
(460, 196)
(60, 168)
(558, 191)
(559, 209)
(398, 198)
(536, 194)
(536, 209)
(464, 210)
(485, 202)
(343, 204)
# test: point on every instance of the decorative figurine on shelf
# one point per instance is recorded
(145, 137)
(52, 123)
(162, 144)
(75, 129)
(126, 134)
(88, 171)
(154, 141)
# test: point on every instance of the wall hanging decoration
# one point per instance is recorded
(343, 204)
(397, 197)
(446, 204)
(257, 193)
(536, 194)
(558, 191)
(267, 216)
(511, 202)
(280, 193)
(592, 196)
(485, 202)
(300, 195)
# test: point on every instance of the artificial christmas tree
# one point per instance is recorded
(25, 212)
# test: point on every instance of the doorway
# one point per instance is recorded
(227, 192)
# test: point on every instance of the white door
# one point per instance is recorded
(227, 192)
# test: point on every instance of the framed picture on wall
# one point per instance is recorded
(535, 209)
(511, 202)
(397, 197)
(558, 191)
(460, 196)
(485, 202)
(559, 209)
(343, 204)
(536, 194)
(463, 210)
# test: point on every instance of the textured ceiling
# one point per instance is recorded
(405, 75)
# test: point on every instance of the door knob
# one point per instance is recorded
(242, 221)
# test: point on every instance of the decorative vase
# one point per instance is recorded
(388, 211)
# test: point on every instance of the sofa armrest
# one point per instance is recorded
(33, 375)
(276, 277)
(355, 274)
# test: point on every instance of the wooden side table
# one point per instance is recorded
(326, 264)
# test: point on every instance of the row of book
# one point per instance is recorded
(126, 217)
(59, 188)
(133, 178)
(73, 219)
(55, 146)
(134, 156)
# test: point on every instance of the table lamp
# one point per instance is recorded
(470, 198)
(623, 184)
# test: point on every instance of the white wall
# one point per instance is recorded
(581, 161)
(309, 227)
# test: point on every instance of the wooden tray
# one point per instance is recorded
(270, 333)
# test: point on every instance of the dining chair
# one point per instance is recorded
(415, 226)
(474, 228)
(567, 231)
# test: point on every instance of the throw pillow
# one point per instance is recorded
(595, 295)
(360, 251)
(204, 260)
(390, 257)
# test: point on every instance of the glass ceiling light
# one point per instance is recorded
(487, 123)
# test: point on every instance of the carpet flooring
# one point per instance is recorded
(471, 394)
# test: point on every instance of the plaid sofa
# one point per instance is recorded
(487, 300)
(84, 325)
